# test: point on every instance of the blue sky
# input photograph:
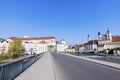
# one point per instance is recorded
(72, 20)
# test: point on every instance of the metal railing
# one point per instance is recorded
(109, 58)
(100, 56)
(10, 70)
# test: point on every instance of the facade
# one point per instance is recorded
(70, 50)
(91, 46)
(81, 47)
(61, 46)
(35, 45)
(103, 40)
(3, 46)
(108, 42)
(31, 48)
(117, 51)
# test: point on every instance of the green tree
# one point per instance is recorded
(15, 48)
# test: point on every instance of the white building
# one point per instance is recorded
(61, 46)
(37, 44)
(82, 47)
(50, 40)
(91, 46)
(32, 48)
(3, 46)
(107, 41)
(117, 51)
(103, 40)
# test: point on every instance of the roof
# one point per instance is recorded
(63, 40)
(116, 39)
(82, 45)
(1, 39)
(34, 38)
(92, 42)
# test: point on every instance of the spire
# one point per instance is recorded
(88, 38)
(99, 33)
(108, 31)
(88, 35)
(109, 35)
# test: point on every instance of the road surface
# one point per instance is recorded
(70, 68)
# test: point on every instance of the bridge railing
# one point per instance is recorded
(100, 56)
(10, 70)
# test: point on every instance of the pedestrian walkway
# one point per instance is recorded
(40, 70)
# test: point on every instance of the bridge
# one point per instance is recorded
(63, 66)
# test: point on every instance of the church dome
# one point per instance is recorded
(99, 33)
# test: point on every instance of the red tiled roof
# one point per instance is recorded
(116, 39)
(34, 38)
(82, 45)
(92, 42)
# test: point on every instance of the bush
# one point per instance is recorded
(110, 52)
(14, 56)
(4, 57)
(105, 51)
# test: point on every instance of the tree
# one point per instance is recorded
(15, 48)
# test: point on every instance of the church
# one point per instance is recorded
(107, 42)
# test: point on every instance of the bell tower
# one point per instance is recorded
(88, 38)
(109, 35)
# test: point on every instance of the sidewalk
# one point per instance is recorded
(40, 70)
(109, 64)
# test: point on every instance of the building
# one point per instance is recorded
(91, 46)
(107, 41)
(35, 45)
(104, 43)
(3, 46)
(31, 48)
(61, 46)
(103, 40)
(50, 40)
(82, 47)
(70, 50)
(117, 51)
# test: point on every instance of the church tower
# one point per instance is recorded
(99, 36)
(88, 38)
(63, 41)
(109, 35)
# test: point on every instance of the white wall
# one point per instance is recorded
(4, 46)
(37, 48)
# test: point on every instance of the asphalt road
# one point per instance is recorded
(70, 68)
